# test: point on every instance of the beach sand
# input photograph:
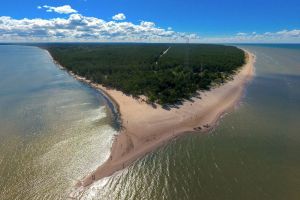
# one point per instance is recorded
(146, 128)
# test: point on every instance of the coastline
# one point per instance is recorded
(145, 128)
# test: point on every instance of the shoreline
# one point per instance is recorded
(114, 105)
(144, 128)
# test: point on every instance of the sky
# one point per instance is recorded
(203, 21)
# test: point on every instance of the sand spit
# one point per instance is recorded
(145, 128)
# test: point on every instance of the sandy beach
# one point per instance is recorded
(145, 128)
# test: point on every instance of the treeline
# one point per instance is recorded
(144, 69)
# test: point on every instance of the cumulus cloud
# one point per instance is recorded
(287, 33)
(283, 35)
(289, 36)
(241, 34)
(77, 27)
(66, 9)
(119, 17)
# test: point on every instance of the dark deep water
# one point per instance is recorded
(53, 130)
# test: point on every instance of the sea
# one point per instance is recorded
(54, 130)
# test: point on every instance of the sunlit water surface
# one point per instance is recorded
(53, 129)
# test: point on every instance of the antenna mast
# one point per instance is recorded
(187, 52)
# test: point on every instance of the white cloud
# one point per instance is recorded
(81, 28)
(119, 17)
(147, 24)
(77, 27)
(288, 36)
(241, 34)
(286, 33)
(66, 9)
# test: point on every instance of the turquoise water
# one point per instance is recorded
(252, 154)
(54, 130)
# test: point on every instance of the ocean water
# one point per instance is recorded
(53, 130)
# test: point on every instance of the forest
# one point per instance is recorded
(166, 74)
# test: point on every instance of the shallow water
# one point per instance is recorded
(53, 130)
(252, 154)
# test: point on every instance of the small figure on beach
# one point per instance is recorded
(198, 128)
(206, 126)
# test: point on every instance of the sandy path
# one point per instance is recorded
(147, 128)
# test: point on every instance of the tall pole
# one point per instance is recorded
(187, 53)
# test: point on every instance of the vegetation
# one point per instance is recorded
(165, 77)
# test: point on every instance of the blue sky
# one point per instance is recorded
(169, 20)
